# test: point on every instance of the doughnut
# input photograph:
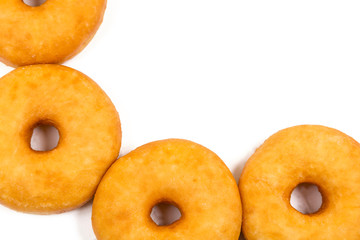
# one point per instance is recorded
(302, 154)
(175, 171)
(67, 176)
(51, 33)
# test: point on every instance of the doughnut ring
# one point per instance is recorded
(51, 33)
(302, 154)
(67, 176)
(175, 171)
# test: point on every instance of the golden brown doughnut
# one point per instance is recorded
(177, 171)
(90, 137)
(303, 154)
(51, 33)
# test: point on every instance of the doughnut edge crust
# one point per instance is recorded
(177, 171)
(306, 153)
(66, 177)
(51, 33)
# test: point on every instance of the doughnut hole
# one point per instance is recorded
(165, 214)
(34, 3)
(306, 198)
(45, 137)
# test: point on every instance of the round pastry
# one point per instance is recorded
(50, 33)
(302, 154)
(174, 171)
(90, 136)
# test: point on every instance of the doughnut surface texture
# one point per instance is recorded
(90, 136)
(312, 154)
(176, 171)
(50, 33)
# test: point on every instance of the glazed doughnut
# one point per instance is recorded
(90, 137)
(51, 33)
(302, 154)
(175, 171)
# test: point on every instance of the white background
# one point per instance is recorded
(226, 74)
